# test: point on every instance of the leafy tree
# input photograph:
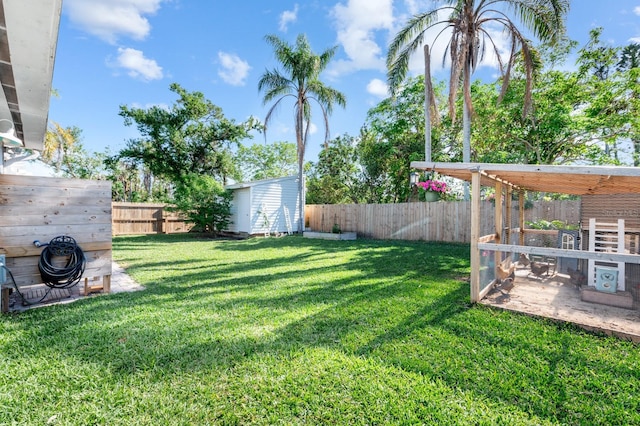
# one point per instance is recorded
(125, 179)
(63, 149)
(629, 65)
(132, 183)
(554, 132)
(205, 202)
(193, 136)
(629, 57)
(334, 179)
(392, 137)
(257, 161)
(471, 22)
(572, 113)
(611, 106)
(58, 142)
(188, 145)
(81, 164)
(299, 80)
(597, 71)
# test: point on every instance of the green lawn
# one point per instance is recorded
(297, 331)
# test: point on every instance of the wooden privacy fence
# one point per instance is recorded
(441, 221)
(146, 218)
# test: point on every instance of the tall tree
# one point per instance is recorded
(300, 80)
(629, 65)
(334, 179)
(596, 63)
(471, 23)
(64, 151)
(629, 57)
(578, 116)
(264, 161)
(58, 142)
(193, 136)
(392, 135)
(557, 131)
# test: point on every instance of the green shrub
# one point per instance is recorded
(204, 202)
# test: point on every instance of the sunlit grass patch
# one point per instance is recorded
(295, 331)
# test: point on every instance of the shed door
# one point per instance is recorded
(243, 199)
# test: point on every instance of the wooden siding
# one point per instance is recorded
(38, 208)
(440, 221)
(270, 197)
(610, 208)
(273, 196)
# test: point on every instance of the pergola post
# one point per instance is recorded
(509, 219)
(498, 221)
(475, 235)
(521, 216)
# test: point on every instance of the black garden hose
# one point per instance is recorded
(68, 275)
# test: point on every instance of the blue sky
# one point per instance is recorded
(115, 52)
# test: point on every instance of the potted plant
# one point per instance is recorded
(336, 229)
(433, 188)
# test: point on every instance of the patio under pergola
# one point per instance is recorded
(562, 283)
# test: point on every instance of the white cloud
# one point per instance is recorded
(378, 88)
(357, 23)
(287, 17)
(137, 65)
(636, 10)
(111, 19)
(161, 105)
(234, 70)
(313, 129)
(415, 6)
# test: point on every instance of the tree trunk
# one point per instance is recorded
(301, 148)
(301, 195)
(427, 105)
(466, 141)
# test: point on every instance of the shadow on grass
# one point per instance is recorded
(400, 303)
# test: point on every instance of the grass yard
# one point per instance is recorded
(297, 331)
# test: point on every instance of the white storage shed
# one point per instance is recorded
(265, 206)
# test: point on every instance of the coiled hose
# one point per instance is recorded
(68, 275)
(52, 276)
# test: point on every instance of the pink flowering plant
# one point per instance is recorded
(432, 185)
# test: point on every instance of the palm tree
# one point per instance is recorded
(471, 22)
(58, 142)
(300, 81)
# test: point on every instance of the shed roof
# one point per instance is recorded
(575, 180)
(260, 182)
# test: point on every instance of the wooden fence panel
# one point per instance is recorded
(441, 221)
(39, 208)
(421, 221)
(146, 218)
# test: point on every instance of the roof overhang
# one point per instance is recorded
(28, 39)
(575, 180)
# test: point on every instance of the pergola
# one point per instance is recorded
(509, 178)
